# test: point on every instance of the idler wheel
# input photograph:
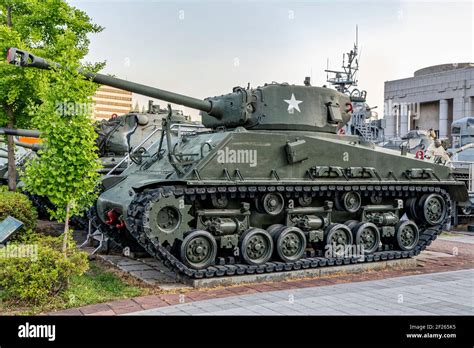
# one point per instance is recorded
(367, 235)
(406, 235)
(433, 208)
(199, 249)
(290, 243)
(256, 246)
(337, 236)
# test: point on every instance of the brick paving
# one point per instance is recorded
(444, 255)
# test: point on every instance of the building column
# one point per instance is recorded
(458, 108)
(469, 107)
(403, 119)
(443, 118)
(390, 121)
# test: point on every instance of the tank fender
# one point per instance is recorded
(155, 184)
(458, 192)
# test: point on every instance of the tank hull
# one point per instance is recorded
(246, 181)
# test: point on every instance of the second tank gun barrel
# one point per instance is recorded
(20, 132)
(26, 59)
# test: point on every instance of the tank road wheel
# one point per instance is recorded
(350, 202)
(338, 236)
(411, 208)
(256, 246)
(367, 235)
(290, 243)
(273, 203)
(351, 223)
(198, 250)
(274, 228)
(406, 235)
(434, 209)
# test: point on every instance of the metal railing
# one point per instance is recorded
(470, 167)
(127, 157)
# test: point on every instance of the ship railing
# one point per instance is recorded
(470, 167)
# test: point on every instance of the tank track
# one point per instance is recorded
(137, 207)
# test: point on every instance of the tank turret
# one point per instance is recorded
(273, 106)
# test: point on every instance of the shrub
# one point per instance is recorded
(45, 273)
(20, 207)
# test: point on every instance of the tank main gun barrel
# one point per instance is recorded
(20, 132)
(27, 59)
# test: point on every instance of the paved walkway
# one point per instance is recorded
(441, 257)
(446, 293)
(461, 238)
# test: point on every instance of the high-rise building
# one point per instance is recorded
(432, 99)
(109, 101)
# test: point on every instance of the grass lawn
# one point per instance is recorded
(99, 284)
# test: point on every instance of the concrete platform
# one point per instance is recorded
(304, 273)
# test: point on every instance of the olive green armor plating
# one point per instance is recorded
(272, 186)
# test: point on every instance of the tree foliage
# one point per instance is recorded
(49, 28)
(66, 169)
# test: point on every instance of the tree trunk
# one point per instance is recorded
(66, 228)
(9, 16)
(11, 150)
(11, 124)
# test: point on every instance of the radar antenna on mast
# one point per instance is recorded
(344, 80)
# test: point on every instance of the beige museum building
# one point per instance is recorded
(109, 101)
(433, 98)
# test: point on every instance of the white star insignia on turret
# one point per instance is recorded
(293, 104)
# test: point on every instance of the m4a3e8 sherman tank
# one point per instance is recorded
(272, 187)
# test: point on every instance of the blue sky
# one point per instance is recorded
(204, 48)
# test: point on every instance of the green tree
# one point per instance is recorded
(66, 169)
(49, 28)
